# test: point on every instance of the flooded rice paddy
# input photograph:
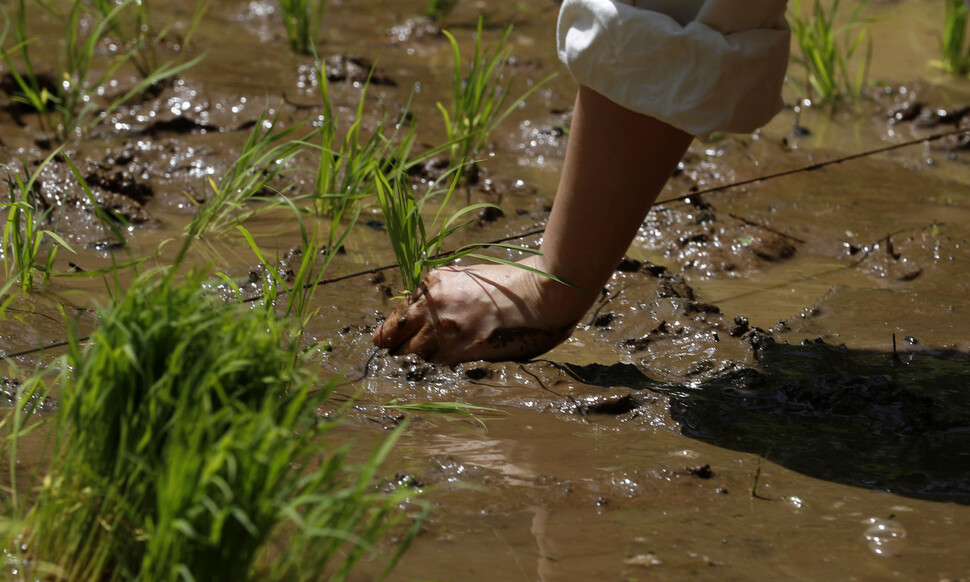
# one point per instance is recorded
(775, 382)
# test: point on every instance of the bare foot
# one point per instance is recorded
(485, 312)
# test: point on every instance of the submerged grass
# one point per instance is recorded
(187, 443)
(828, 50)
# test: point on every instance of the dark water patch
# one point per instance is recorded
(899, 423)
(123, 183)
(179, 126)
(918, 107)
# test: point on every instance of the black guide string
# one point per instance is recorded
(685, 197)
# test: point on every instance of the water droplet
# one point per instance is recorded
(885, 536)
(648, 559)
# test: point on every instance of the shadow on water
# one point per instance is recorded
(871, 419)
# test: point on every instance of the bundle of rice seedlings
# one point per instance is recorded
(187, 442)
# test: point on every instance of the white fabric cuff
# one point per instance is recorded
(718, 69)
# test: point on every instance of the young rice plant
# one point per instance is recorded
(827, 50)
(953, 47)
(417, 245)
(479, 101)
(187, 446)
(23, 239)
(306, 277)
(344, 172)
(68, 103)
(302, 20)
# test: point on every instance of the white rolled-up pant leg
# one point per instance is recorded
(699, 65)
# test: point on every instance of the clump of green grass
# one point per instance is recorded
(68, 106)
(480, 100)
(264, 156)
(953, 47)
(187, 443)
(302, 19)
(25, 254)
(828, 50)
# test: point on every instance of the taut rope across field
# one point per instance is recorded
(685, 197)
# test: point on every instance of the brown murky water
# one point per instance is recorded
(684, 431)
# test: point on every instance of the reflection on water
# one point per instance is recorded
(487, 453)
(885, 537)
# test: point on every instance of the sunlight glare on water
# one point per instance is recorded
(885, 537)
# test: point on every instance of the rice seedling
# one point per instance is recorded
(827, 49)
(436, 10)
(306, 277)
(480, 102)
(23, 237)
(264, 156)
(134, 28)
(187, 445)
(302, 20)
(344, 172)
(418, 246)
(17, 420)
(953, 47)
(69, 106)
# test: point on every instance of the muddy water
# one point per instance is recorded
(733, 409)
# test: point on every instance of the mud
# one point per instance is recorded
(772, 383)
